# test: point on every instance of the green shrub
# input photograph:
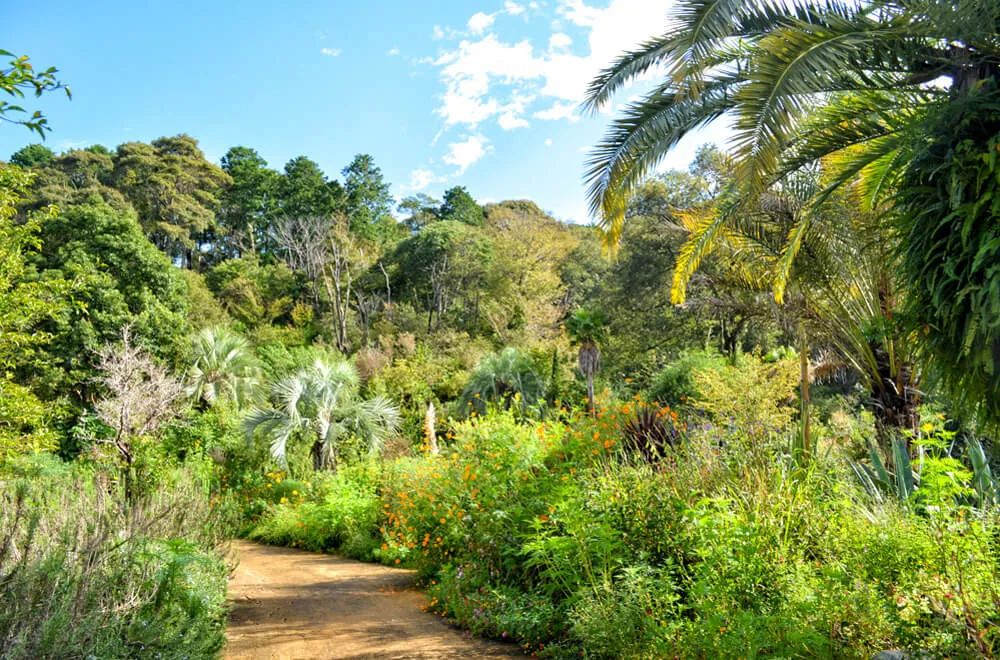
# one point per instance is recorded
(341, 514)
(675, 385)
(80, 570)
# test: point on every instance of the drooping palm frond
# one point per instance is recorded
(800, 80)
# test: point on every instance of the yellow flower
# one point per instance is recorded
(927, 427)
(295, 492)
(284, 500)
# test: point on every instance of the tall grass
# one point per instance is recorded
(83, 574)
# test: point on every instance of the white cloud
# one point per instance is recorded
(480, 22)
(560, 41)
(557, 111)
(330, 52)
(483, 73)
(469, 71)
(421, 178)
(392, 52)
(513, 8)
(548, 142)
(468, 152)
(508, 121)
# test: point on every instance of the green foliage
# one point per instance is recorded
(19, 77)
(507, 380)
(252, 292)
(118, 278)
(32, 155)
(752, 395)
(174, 190)
(305, 192)
(459, 206)
(223, 369)
(105, 580)
(949, 201)
(26, 422)
(675, 385)
(530, 533)
(586, 326)
(341, 515)
(248, 207)
(368, 200)
(322, 403)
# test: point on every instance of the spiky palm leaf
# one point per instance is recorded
(322, 402)
(223, 367)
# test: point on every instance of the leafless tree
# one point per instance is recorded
(325, 252)
(140, 396)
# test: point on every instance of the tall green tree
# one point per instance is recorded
(32, 156)
(175, 192)
(304, 190)
(369, 202)
(249, 206)
(421, 211)
(459, 205)
(118, 278)
(903, 95)
(25, 304)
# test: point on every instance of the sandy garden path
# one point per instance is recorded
(293, 604)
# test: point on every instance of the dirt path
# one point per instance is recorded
(294, 604)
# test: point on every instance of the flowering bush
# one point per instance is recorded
(554, 535)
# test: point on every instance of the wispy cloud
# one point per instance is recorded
(330, 52)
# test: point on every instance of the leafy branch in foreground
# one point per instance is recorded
(19, 78)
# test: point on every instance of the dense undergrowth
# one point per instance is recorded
(86, 572)
(553, 535)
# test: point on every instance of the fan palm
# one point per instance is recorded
(887, 91)
(586, 330)
(503, 378)
(322, 403)
(222, 368)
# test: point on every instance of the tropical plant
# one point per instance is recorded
(322, 403)
(649, 434)
(505, 378)
(843, 288)
(904, 95)
(222, 368)
(586, 328)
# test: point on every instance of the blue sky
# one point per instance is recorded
(480, 94)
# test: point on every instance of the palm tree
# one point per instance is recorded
(503, 378)
(903, 95)
(586, 330)
(322, 403)
(222, 368)
(843, 289)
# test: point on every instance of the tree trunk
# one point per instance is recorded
(804, 386)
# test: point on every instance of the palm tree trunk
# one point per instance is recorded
(590, 395)
(804, 386)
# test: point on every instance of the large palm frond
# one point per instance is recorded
(768, 65)
(223, 367)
